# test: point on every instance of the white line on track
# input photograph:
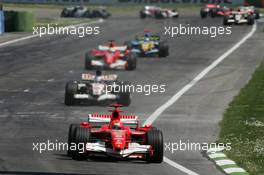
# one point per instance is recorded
(187, 87)
(34, 36)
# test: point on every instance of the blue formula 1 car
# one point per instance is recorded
(148, 46)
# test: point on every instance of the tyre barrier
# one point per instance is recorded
(19, 21)
(2, 23)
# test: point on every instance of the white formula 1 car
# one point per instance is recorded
(96, 90)
(239, 17)
(158, 12)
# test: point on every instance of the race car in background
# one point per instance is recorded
(239, 17)
(111, 56)
(83, 12)
(251, 10)
(148, 45)
(95, 90)
(116, 135)
(158, 12)
(214, 10)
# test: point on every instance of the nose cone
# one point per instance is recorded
(109, 58)
(118, 139)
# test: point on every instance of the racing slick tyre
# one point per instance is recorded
(70, 89)
(131, 61)
(163, 49)
(203, 14)
(70, 137)
(213, 13)
(257, 16)
(88, 61)
(124, 96)
(226, 23)
(128, 44)
(158, 15)
(251, 20)
(65, 13)
(155, 139)
(142, 15)
(81, 136)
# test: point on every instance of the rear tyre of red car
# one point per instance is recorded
(70, 89)
(155, 139)
(88, 61)
(131, 61)
(71, 137)
(163, 49)
(81, 137)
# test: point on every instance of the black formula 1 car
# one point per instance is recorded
(97, 90)
(83, 12)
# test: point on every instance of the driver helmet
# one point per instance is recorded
(111, 49)
(117, 125)
(98, 76)
(147, 35)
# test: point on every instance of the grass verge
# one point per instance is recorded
(243, 125)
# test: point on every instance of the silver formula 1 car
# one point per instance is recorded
(96, 90)
(239, 17)
(158, 12)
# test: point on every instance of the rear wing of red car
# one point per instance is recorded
(106, 118)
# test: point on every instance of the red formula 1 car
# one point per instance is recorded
(111, 57)
(214, 10)
(116, 135)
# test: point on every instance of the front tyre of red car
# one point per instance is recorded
(155, 139)
(81, 137)
(71, 137)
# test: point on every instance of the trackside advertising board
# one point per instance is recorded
(125, 2)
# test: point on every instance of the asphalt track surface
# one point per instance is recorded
(34, 73)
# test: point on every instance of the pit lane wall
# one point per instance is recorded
(125, 2)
